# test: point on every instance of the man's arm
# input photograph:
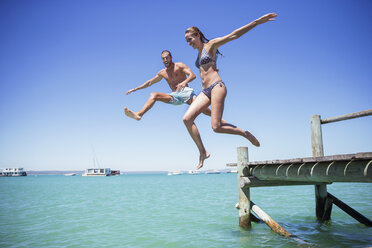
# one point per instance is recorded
(190, 76)
(148, 83)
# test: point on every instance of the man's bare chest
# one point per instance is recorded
(175, 76)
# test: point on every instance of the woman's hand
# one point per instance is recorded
(266, 18)
(130, 91)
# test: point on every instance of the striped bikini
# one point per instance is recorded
(208, 91)
(205, 59)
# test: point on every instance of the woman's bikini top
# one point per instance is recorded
(204, 59)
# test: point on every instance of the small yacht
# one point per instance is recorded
(171, 173)
(193, 172)
(97, 172)
(13, 172)
(213, 172)
(70, 174)
(115, 173)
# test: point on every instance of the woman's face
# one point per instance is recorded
(193, 40)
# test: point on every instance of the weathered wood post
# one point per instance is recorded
(316, 136)
(323, 210)
(244, 204)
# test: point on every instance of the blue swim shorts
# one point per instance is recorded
(181, 97)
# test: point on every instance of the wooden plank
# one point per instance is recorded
(253, 181)
(340, 157)
(350, 211)
(269, 221)
(363, 155)
(347, 117)
(275, 226)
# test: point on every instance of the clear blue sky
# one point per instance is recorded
(65, 67)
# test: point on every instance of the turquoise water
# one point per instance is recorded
(168, 211)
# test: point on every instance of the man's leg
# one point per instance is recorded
(148, 105)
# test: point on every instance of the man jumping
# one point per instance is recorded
(178, 75)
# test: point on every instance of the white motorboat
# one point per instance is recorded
(13, 172)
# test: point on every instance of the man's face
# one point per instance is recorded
(167, 59)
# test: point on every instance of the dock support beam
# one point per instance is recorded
(269, 221)
(322, 209)
(244, 204)
(350, 211)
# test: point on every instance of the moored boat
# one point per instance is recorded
(13, 172)
(193, 172)
(174, 173)
(213, 172)
(70, 174)
(97, 172)
(115, 173)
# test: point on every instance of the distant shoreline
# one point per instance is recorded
(80, 172)
(56, 172)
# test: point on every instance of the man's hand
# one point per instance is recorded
(181, 86)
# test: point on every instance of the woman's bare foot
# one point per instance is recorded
(252, 139)
(202, 157)
(132, 114)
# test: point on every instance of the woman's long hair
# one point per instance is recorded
(195, 31)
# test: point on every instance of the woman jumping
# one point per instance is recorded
(214, 89)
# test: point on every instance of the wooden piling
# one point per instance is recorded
(244, 204)
(317, 148)
(269, 221)
(316, 136)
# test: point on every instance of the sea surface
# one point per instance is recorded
(169, 211)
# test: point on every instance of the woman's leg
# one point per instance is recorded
(197, 106)
(206, 111)
(218, 101)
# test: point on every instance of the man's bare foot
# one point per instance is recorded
(132, 114)
(252, 139)
(202, 157)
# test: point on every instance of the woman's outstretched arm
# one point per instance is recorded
(215, 43)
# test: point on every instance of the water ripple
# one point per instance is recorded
(163, 211)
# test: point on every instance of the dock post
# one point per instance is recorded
(244, 204)
(316, 136)
(323, 210)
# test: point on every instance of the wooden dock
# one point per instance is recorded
(313, 170)
(318, 170)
